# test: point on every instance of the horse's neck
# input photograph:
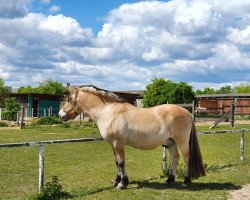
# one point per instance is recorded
(93, 106)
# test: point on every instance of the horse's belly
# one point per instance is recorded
(146, 141)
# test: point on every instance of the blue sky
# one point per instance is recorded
(89, 13)
(123, 45)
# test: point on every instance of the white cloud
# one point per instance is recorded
(54, 9)
(13, 8)
(45, 1)
(239, 36)
(197, 41)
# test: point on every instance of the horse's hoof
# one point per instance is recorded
(184, 185)
(120, 186)
(115, 183)
(170, 180)
(187, 182)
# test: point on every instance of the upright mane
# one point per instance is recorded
(101, 92)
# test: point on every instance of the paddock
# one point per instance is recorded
(82, 160)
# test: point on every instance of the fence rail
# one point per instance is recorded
(41, 145)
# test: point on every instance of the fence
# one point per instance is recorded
(26, 113)
(41, 145)
(242, 136)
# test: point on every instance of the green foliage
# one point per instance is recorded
(4, 90)
(48, 87)
(166, 91)
(11, 107)
(27, 89)
(51, 87)
(52, 191)
(225, 90)
(3, 124)
(48, 120)
(243, 88)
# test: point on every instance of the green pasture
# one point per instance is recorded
(86, 170)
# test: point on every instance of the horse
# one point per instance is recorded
(121, 124)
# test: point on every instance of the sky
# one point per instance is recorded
(123, 45)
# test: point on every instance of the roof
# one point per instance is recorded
(35, 94)
(223, 96)
(137, 92)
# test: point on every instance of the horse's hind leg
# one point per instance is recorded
(186, 155)
(174, 162)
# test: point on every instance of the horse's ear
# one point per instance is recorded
(72, 88)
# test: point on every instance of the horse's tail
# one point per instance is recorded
(196, 167)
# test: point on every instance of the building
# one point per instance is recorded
(37, 105)
(220, 103)
(132, 97)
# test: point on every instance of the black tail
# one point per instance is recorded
(196, 167)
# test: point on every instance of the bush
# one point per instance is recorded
(52, 191)
(11, 107)
(3, 124)
(48, 120)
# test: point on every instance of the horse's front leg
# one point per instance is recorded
(121, 181)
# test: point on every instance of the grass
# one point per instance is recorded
(86, 170)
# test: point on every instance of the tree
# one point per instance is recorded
(27, 89)
(183, 93)
(243, 88)
(225, 90)
(4, 90)
(11, 107)
(166, 91)
(48, 87)
(209, 91)
(51, 87)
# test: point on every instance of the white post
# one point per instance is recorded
(41, 168)
(242, 145)
(26, 113)
(164, 159)
(44, 111)
(0, 114)
(32, 110)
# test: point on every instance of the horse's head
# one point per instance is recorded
(70, 108)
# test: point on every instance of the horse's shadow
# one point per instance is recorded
(162, 186)
(193, 187)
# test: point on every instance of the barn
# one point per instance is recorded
(220, 103)
(36, 105)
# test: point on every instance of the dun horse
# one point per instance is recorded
(121, 124)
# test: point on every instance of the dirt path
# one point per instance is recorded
(242, 194)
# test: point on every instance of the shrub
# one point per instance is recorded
(11, 107)
(52, 191)
(48, 120)
(3, 124)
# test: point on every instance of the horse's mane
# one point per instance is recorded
(105, 93)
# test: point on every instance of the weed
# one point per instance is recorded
(53, 191)
(3, 124)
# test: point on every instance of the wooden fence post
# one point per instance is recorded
(41, 168)
(242, 145)
(22, 119)
(0, 114)
(17, 119)
(232, 110)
